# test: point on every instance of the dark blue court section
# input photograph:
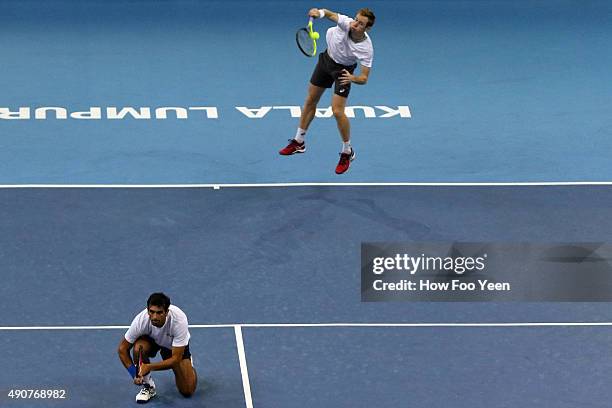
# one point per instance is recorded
(425, 367)
(286, 255)
(85, 364)
(273, 255)
(498, 90)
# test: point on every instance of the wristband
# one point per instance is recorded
(132, 370)
(321, 13)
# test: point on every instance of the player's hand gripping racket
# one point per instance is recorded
(306, 39)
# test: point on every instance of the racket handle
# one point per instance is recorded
(310, 20)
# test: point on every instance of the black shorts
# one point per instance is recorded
(165, 353)
(327, 72)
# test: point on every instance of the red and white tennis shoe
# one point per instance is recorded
(345, 161)
(293, 147)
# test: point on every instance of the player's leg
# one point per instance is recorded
(148, 349)
(186, 377)
(310, 105)
(320, 80)
(297, 145)
(184, 373)
(344, 127)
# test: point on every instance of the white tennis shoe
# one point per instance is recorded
(146, 393)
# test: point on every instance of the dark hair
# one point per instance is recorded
(366, 12)
(159, 299)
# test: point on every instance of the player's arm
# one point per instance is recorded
(124, 355)
(124, 352)
(326, 14)
(361, 79)
(177, 356)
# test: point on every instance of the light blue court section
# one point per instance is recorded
(497, 90)
(429, 367)
(85, 364)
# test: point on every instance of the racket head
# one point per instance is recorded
(305, 43)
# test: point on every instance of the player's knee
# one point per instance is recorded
(142, 346)
(338, 111)
(311, 102)
(143, 341)
(186, 390)
(186, 394)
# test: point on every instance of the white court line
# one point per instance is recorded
(517, 324)
(243, 367)
(218, 186)
(294, 325)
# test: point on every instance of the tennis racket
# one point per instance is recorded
(306, 39)
(138, 361)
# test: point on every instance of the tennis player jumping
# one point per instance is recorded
(347, 44)
(160, 327)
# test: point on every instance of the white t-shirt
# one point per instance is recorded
(174, 333)
(345, 51)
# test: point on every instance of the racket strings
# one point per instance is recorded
(304, 41)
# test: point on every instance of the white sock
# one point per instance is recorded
(147, 379)
(346, 147)
(299, 135)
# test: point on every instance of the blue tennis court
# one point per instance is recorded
(139, 153)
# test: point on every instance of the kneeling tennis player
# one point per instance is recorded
(162, 328)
